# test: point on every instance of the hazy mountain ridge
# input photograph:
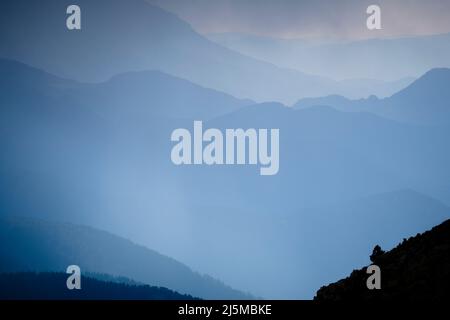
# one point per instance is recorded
(120, 36)
(42, 246)
(426, 101)
(151, 91)
(382, 59)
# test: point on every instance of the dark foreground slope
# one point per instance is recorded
(49, 285)
(417, 269)
(34, 245)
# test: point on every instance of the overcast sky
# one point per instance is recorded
(312, 18)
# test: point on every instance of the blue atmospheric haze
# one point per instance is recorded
(85, 124)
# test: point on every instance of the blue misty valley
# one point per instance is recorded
(86, 176)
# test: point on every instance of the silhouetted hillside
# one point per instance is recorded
(52, 285)
(417, 269)
(40, 246)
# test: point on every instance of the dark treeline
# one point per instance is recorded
(49, 285)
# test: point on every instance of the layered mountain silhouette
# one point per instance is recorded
(86, 118)
(120, 36)
(383, 59)
(149, 92)
(426, 101)
(415, 270)
(41, 246)
(99, 155)
(52, 286)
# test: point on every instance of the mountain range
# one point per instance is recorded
(120, 36)
(86, 118)
(98, 154)
(424, 102)
(388, 59)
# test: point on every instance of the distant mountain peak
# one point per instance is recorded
(433, 81)
(437, 71)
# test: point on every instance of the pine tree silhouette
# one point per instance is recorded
(377, 251)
